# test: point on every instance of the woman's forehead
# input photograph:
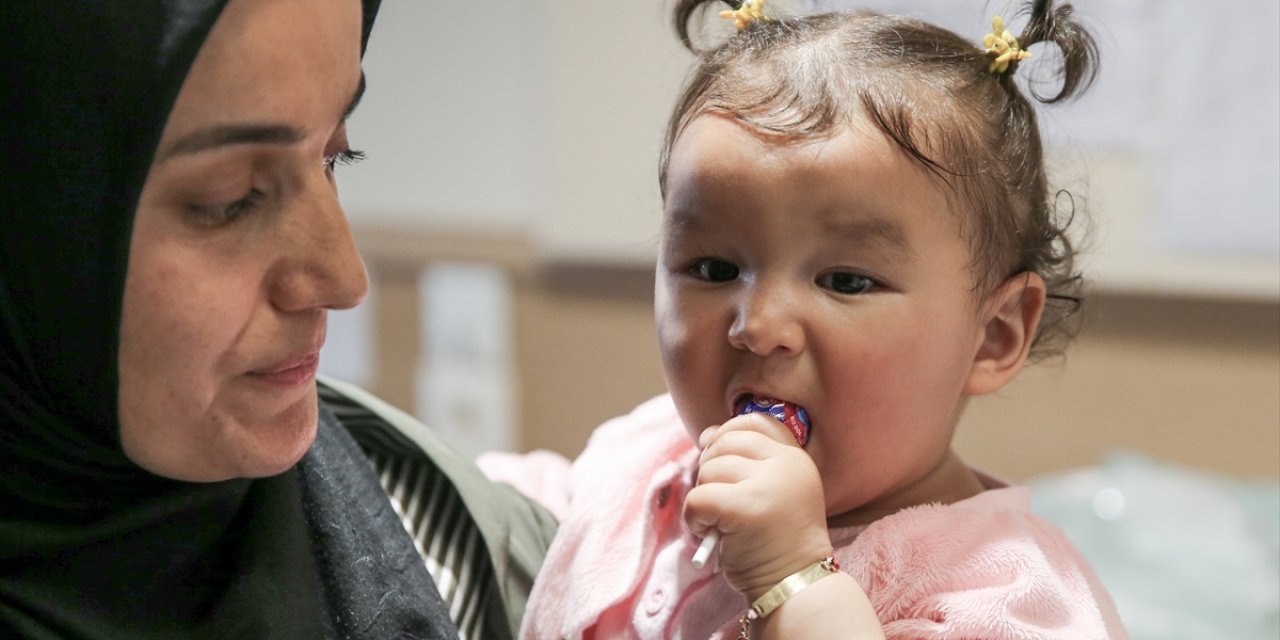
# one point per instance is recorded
(272, 62)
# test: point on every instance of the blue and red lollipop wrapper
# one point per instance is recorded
(793, 417)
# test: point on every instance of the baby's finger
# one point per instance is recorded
(748, 443)
(726, 469)
(759, 423)
(705, 437)
(707, 506)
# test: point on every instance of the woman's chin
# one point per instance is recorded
(276, 447)
(230, 446)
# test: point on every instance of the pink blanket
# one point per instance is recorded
(983, 568)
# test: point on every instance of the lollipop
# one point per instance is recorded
(795, 418)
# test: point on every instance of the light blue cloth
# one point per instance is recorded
(1186, 554)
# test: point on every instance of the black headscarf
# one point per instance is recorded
(91, 545)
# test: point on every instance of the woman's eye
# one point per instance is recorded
(713, 270)
(216, 215)
(846, 282)
(346, 156)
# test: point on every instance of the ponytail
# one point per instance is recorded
(683, 17)
(1057, 25)
(745, 14)
(683, 14)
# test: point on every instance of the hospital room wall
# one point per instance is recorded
(525, 142)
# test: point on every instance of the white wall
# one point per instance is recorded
(450, 120)
(544, 116)
(1176, 147)
(547, 116)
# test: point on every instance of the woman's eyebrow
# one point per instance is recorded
(355, 98)
(230, 134)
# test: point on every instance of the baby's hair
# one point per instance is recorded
(930, 92)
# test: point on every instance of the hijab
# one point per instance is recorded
(91, 545)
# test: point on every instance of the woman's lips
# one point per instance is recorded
(290, 374)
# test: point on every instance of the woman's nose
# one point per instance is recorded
(767, 321)
(324, 269)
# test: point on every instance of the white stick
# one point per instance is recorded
(708, 545)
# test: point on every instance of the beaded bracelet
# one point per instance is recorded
(790, 585)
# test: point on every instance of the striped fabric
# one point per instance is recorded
(433, 514)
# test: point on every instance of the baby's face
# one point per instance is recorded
(828, 273)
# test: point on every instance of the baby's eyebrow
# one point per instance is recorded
(678, 219)
(878, 232)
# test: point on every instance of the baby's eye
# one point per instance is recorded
(846, 282)
(713, 270)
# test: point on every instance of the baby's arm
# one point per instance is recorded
(763, 493)
(833, 607)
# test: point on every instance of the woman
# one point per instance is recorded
(165, 272)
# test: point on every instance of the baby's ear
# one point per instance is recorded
(1011, 314)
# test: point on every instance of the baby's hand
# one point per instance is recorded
(763, 493)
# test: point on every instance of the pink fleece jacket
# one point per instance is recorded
(983, 568)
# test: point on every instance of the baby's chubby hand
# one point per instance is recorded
(763, 493)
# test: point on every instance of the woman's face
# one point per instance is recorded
(240, 248)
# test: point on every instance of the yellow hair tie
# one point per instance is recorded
(745, 12)
(1004, 46)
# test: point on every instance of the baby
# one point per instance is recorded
(857, 226)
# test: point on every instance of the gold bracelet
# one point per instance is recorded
(790, 585)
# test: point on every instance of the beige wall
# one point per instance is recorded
(1195, 381)
(1192, 381)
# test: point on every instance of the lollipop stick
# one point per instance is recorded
(703, 553)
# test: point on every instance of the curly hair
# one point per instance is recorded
(930, 92)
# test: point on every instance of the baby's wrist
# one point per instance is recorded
(796, 583)
(754, 587)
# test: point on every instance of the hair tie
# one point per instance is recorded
(1004, 46)
(744, 12)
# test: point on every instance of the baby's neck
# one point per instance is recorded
(949, 482)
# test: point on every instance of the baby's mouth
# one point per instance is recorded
(792, 416)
